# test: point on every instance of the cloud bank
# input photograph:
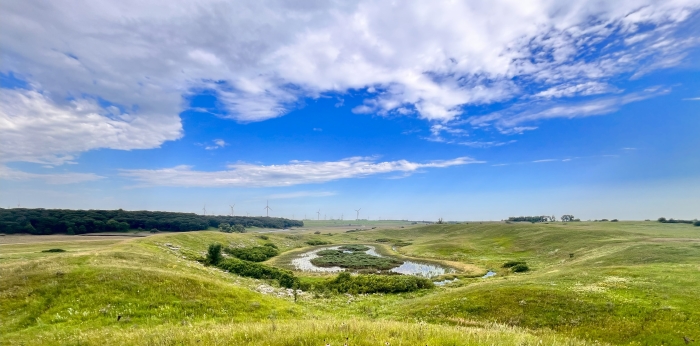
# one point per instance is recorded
(293, 173)
(105, 74)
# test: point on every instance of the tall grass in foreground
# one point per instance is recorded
(305, 333)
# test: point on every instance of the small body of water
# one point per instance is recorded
(421, 269)
(489, 274)
(303, 263)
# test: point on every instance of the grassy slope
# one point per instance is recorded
(629, 282)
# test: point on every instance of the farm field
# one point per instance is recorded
(589, 283)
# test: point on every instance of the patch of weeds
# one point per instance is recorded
(314, 242)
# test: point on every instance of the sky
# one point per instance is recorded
(405, 110)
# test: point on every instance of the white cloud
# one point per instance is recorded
(218, 143)
(510, 120)
(584, 89)
(485, 144)
(33, 128)
(7, 173)
(692, 99)
(263, 57)
(293, 173)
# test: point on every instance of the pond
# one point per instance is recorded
(489, 274)
(303, 263)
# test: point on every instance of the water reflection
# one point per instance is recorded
(420, 269)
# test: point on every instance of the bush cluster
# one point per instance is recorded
(511, 264)
(692, 222)
(227, 228)
(255, 253)
(358, 284)
(258, 271)
(520, 268)
(516, 266)
(53, 250)
(214, 254)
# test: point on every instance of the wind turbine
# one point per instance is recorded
(318, 217)
(204, 210)
(234, 204)
(267, 209)
(358, 213)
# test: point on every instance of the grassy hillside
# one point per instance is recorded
(618, 283)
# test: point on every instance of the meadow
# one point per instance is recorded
(589, 283)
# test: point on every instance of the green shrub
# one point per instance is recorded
(271, 245)
(263, 237)
(315, 242)
(253, 254)
(53, 250)
(696, 223)
(520, 268)
(214, 254)
(259, 271)
(511, 264)
(402, 243)
(383, 240)
(372, 283)
(354, 247)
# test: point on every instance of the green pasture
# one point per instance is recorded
(632, 283)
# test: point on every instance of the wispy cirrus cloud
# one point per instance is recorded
(515, 119)
(293, 173)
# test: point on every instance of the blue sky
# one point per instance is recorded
(465, 112)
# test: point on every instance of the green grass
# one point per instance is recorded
(627, 283)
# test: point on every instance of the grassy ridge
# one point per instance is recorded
(627, 283)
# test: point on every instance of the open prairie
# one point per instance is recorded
(632, 283)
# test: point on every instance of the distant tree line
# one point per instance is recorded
(542, 218)
(692, 222)
(53, 221)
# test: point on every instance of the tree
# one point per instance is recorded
(567, 218)
(214, 254)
